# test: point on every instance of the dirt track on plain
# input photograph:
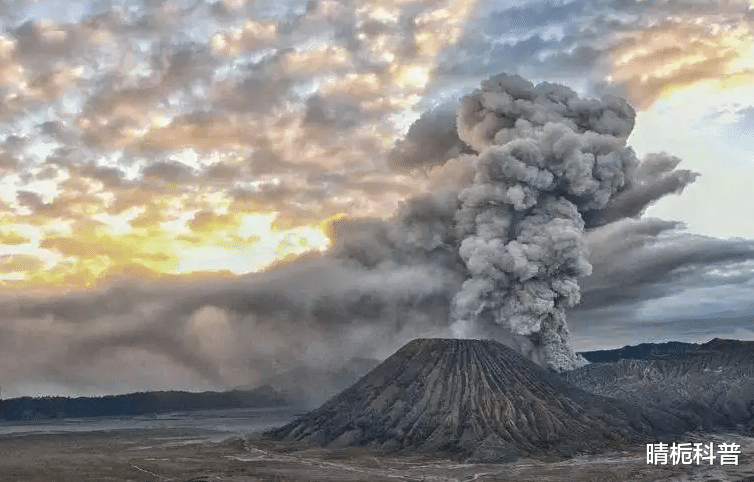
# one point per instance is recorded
(176, 455)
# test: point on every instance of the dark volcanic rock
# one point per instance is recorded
(476, 400)
(715, 381)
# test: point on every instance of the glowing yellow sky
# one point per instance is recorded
(62, 229)
(83, 234)
(81, 253)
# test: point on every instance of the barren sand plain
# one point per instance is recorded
(195, 454)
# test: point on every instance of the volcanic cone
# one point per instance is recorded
(476, 400)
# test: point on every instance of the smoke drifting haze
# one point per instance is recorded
(166, 165)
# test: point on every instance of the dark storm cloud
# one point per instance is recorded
(635, 260)
(431, 141)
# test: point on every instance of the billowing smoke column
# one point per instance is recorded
(518, 177)
(547, 157)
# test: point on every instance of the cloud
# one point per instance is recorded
(681, 53)
(366, 299)
(383, 281)
(252, 35)
(633, 256)
(168, 171)
(431, 141)
(186, 145)
(639, 50)
(295, 314)
(654, 282)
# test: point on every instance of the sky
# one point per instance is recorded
(176, 177)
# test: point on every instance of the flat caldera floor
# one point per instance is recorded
(181, 455)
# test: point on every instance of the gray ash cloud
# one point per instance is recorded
(548, 165)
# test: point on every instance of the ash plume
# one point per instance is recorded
(548, 165)
(548, 157)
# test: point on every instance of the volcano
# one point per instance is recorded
(478, 401)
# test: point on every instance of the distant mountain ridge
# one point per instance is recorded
(643, 351)
(142, 403)
(715, 380)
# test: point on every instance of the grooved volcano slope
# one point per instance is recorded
(476, 399)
